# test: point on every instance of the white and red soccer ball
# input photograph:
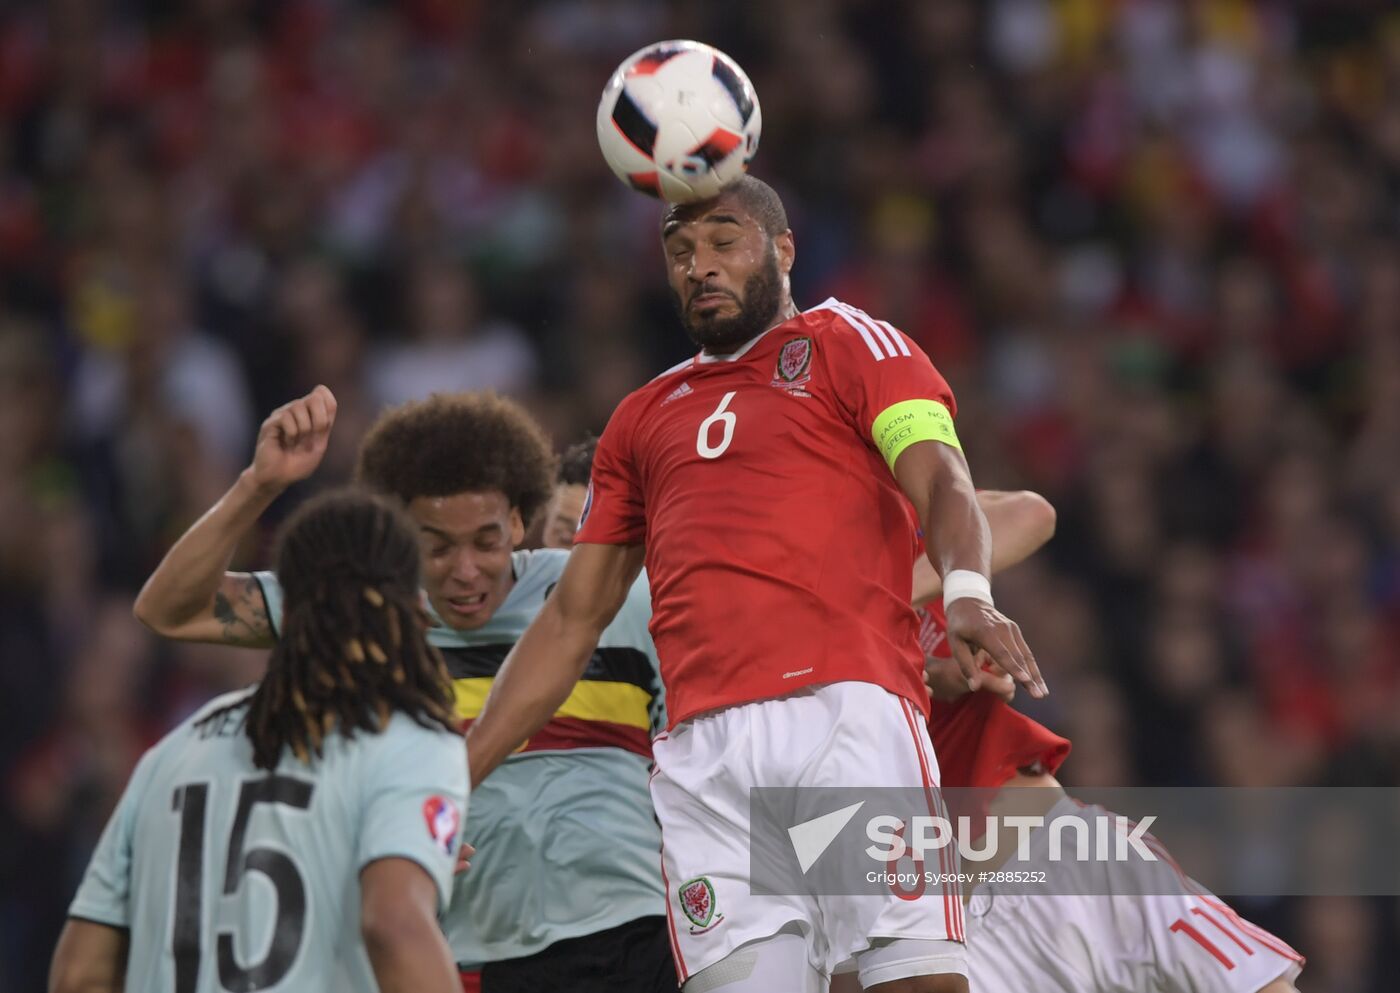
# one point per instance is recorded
(679, 120)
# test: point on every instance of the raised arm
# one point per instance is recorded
(551, 655)
(935, 478)
(1020, 522)
(191, 596)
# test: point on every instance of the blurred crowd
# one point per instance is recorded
(1153, 244)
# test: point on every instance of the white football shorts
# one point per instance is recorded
(1178, 939)
(846, 734)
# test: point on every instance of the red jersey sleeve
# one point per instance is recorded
(613, 511)
(879, 373)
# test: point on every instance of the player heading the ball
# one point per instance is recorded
(774, 485)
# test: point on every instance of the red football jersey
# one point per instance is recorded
(980, 739)
(778, 545)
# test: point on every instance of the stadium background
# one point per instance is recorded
(1153, 246)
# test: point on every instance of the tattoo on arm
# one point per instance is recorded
(243, 617)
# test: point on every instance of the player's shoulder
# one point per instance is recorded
(403, 728)
(224, 703)
(407, 746)
(837, 324)
(174, 748)
(535, 564)
(536, 572)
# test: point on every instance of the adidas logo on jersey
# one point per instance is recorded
(677, 393)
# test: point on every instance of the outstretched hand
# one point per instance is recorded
(975, 626)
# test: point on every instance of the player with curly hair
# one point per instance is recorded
(473, 470)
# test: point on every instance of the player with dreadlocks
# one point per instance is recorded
(350, 568)
(339, 779)
(473, 470)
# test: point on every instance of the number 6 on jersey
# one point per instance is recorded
(728, 418)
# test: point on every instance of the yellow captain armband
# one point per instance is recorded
(900, 425)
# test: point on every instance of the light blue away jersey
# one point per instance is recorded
(231, 877)
(567, 843)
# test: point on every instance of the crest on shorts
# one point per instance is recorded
(698, 903)
(794, 363)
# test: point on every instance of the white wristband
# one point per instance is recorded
(962, 583)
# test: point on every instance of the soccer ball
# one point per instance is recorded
(679, 120)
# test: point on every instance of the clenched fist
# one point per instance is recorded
(292, 441)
